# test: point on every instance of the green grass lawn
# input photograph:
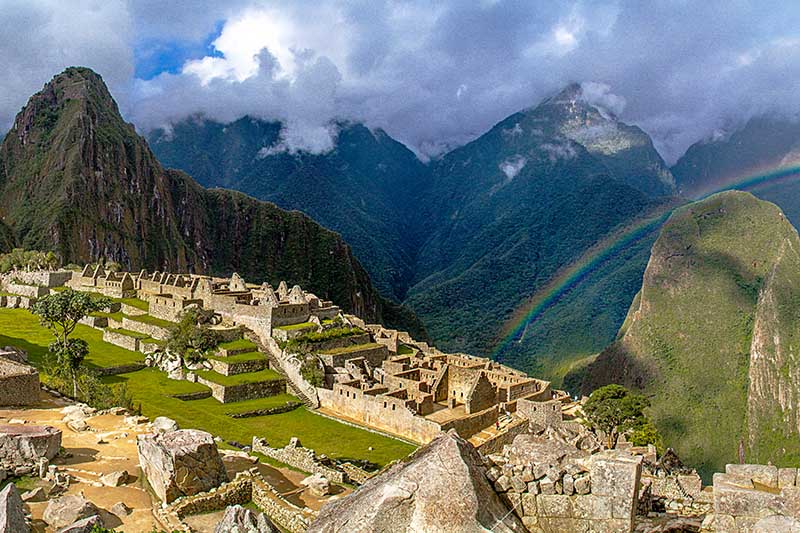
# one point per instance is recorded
(239, 358)
(352, 348)
(153, 321)
(114, 316)
(238, 344)
(153, 389)
(239, 379)
(133, 302)
(20, 328)
(294, 327)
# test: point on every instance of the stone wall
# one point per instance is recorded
(238, 491)
(375, 355)
(543, 414)
(227, 368)
(293, 454)
(756, 499)
(495, 445)
(377, 412)
(16, 302)
(19, 383)
(24, 445)
(283, 513)
(131, 310)
(42, 278)
(156, 332)
(121, 340)
(31, 291)
(471, 424)
(245, 391)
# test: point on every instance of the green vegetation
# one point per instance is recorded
(153, 321)
(239, 379)
(614, 410)
(351, 348)
(295, 327)
(305, 343)
(20, 259)
(133, 302)
(154, 391)
(312, 371)
(239, 344)
(191, 337)
(404, 350)
(721, 270)
(239, 358)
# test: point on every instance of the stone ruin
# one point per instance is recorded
(25, 448)
(179, 463)
(19, 382)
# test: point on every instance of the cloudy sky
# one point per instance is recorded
(434, 74)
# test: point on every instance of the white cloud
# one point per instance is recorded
(513, 165)
(600, 95)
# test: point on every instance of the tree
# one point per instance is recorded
(61, 312)
(613, 409)
(191, 337)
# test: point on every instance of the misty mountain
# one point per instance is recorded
(76, 179)
(466, 239)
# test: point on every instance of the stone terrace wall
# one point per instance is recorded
(42, 278)
(31, 291)
(156, 332)
(245, 391)
(19, 383)
(495, 444)
(282, 512)
(121, 340)
(756, 499)
(297, 456)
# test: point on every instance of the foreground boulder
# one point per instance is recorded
(12, 512)
(441, 488)
(237, 519)
(67, 510)
(180, 463)
(84, 525)
(26, 444)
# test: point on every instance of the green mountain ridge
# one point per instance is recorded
(468, 238)
(77, 179)
(712, 334)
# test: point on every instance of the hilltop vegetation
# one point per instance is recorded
(710, 335)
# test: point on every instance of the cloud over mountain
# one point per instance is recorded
(433, 74)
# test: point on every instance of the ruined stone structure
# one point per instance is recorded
(293, 454)
(19, 382)
(410, 389)
(257, 307)
(24, 446)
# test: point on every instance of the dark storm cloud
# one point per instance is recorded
(433, 74)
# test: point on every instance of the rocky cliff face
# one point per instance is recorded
(75, 178)
(713, 333)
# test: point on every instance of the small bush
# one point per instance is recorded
(311, 371)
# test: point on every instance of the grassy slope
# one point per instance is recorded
(154, 391)
(687, 338)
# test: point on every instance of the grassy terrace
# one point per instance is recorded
(130, 333)
(239, 358)
(152, 388)
(295, 327)
(350, 349)
(18, 327)
(239, 379)
(238, 345)
(153, 321)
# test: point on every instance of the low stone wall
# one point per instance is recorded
(245, 391)
(148, 347)
(495, 444)
(42, 278)
(357, 475)
(120, 369)
(375, 355)
(97, 322)
(31, 291)
(238, 491)
(121, 340)
(756, 498)
(16, 302)
(284, 335)
(156, 332)
(282, 512)
(469, 425)
(293, 454)
(288, 406)
(131, 310)
(189, 396)
(19, 383)
(227, 368)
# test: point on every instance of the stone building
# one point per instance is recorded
(19, 382)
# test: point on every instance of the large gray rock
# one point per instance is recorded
(180, 463)
(12, 511)
(441, 488)
(317, 484)
(162, 424)
(84, 525)
(67, 510)
(237, 519)
(25, 445)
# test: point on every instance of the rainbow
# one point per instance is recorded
(573, 275)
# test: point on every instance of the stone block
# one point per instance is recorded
(569, 484)
(529, 504)
(518, 485)
(773, 523)
(742, 501)
(787, 477)
(547, 485)
(180, 463)
(533, 487)
(601, 506)
(764, 474)
(583, 507)
(583, 485)
(559, 525)
(26, 444)
(617, 475)
(724, 523)
(502, 484)
(611, 526)
(67, 510)
(555, 505)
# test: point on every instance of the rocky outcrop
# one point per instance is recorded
(67, 510)
(85, 525)
(12, 512)
(237, 519)
(441, 488)
(24, 445)
(180, 463)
